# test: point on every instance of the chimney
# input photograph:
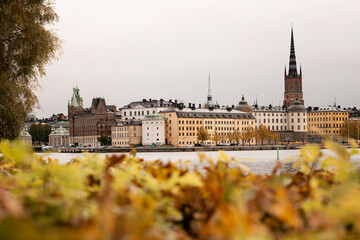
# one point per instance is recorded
(228, 109)
(149, 99)
(189, 105)
(211, 108)
(193, 107)
(199, 105)
(170, 100)
(232, 106)
(161, 102)
(175, 102)
(144, 100)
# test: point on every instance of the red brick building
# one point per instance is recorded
(86, 125)
(293, 80)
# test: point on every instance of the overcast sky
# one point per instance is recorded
(127, 50)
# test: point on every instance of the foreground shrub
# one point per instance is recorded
(124, 197)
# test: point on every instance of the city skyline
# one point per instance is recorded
(131, 51)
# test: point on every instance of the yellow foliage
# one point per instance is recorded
(124, 197)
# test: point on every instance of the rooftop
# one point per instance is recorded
(208, 113)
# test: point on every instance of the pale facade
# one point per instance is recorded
(59, 137)
(182, 125)
(126, 133)
(26, 137)
(138, 110)
(153, 130)
(279, 119)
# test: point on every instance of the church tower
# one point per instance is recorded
(293, 79)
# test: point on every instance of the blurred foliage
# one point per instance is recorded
(124, 197)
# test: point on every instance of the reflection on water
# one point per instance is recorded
(259, 162)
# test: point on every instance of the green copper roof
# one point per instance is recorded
(24, 134)
(60, 132)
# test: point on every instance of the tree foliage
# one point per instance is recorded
(27, 44)
(40, 132)
(124, 197)
(203, 135)
(350, 129)
(104, 140)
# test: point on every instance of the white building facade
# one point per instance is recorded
(153, 130)
(138, 110)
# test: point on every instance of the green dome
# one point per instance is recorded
(243, 105)
(297, 107)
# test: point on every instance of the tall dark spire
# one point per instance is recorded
(292, 62)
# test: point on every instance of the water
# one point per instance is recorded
(259, 162)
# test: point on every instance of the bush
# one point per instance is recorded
(124, 197)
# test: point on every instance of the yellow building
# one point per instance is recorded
(126, 133)
(326, 121)
(182, 125)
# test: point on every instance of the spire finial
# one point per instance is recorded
(334, 102)
(292, 62)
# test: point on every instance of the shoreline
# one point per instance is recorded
(181, 149)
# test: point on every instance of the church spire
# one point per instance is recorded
(292, 61)
(209, 90)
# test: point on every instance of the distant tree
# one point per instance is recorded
(216, 138)
(262, 133)
(248, 134)
(274, 136)
(27, 45)
(40, 133)
(104, 140)
(203, 135)
(235, 137)
(351, 127)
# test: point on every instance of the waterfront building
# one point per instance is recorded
(290, 123)
(26, 137)
(139, 109)
(126, 133)
(292, 79)
(153, 130)
(183, 124)
(326, 121)
(86, 125)
(59, 137)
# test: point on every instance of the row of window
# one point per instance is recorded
(276, 114)
(139, 113)
(325, 132)
(327, 125)
(328, 119)
(327, 113)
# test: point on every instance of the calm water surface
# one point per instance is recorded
(259, 162)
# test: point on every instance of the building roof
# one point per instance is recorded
(60, 132)
(268, 109)
(333, 108)
(149, 103)
(207, 113)
(131, 123)
(24, 133)
(154, 117)
(297, 107)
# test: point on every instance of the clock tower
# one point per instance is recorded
(293, 79)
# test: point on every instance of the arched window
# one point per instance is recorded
(296, 87)
(288, 87)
